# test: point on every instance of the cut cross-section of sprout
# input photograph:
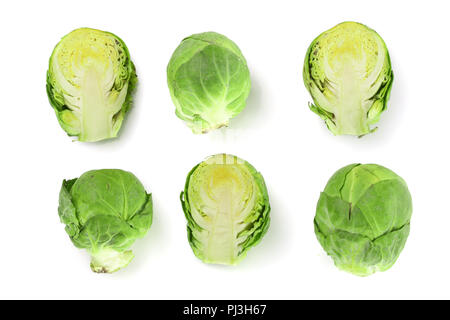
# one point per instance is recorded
(348, 73)
(227, 208)
(90, 81)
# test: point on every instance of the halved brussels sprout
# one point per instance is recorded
(209, 81)
(105, 211)
(227, 208)
(362, 218)
(348, 73)
(90, 81)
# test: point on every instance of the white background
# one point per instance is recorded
(276, 132)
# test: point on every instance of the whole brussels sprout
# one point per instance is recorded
(348, 73)
(362, 218)
(209, 81)
(105, 211)
(227, 209)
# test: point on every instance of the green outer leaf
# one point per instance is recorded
(261, 217)
(142, 222)
(380, 99)
(105, 234)
(57, 101)
(216, 39)
(66, 209)
(104, 231)
(208, 80)
(362, 256)
(108, 192)
(363, 217)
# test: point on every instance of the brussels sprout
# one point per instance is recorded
(362, 218)
(208, 80)
(348, 73)
(227, 209)
(105, 211)
(90, 81)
